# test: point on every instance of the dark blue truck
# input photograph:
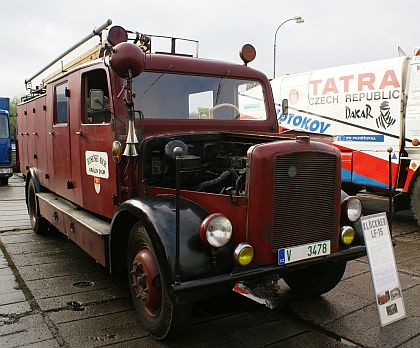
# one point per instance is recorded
(6, 170)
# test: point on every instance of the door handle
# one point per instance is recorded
(51, 133)
(79, 132)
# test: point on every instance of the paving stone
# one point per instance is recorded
(65, 285)
(52, 256)
(354, 268)
(5, 271)
(366, 321)
(311, 339)
(110, 293)
(26, 330)
(331, 306)
(36, 246)
(30, 236)
(412, 343)
(15, 308)
(12, 297)
(102, 330)
(53, 343)
(58, 269)
(361, 285)
(412, 266)
(79, 311)
(268, 333)
(406, 255)
(237, 322)
(391, 335)
(8, 284)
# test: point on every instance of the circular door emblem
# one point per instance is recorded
(292, 171)
(293, 96)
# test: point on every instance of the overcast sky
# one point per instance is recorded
(334, 33)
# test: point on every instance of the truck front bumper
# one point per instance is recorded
(6, 172)
(207, 287)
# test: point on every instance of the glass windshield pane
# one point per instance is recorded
(174, 96)
(4, 127)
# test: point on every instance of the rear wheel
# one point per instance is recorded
(149, 288)
(39, 224)
(313, 281)
(415, 200)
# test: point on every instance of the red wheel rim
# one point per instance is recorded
(146, 280)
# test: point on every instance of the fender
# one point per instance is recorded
(32, 173)
(158, 216)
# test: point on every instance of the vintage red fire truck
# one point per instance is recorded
(166, 167)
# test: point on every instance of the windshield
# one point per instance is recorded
(4, 127)
(175, 96)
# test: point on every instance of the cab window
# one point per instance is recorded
(61, 104)
(95, 96)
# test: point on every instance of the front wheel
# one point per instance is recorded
(313, 281)
(415, 200)
(149, 288)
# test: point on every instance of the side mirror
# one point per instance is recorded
(96, 99)
(284, 107)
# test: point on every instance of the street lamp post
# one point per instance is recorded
(297, 19)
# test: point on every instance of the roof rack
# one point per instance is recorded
(94, 33)
(144, 41)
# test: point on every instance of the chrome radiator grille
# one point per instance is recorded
(303, 201)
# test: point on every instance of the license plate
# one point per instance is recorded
(5, 170)
(303, 252)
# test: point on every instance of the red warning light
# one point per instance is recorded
(116, 35)
(247, 53)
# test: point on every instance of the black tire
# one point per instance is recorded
(149, 288)
(313, 281)
(415, 200)
(350, 189)
(4, 181)
(39, 224)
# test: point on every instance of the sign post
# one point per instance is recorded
(383, 268)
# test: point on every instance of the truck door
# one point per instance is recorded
(61, 140)
(97, 168)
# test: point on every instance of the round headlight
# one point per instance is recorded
(352, 208)
(216, 230)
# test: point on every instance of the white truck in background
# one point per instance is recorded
(369, 108)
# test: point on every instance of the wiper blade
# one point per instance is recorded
(157, 79)
(219, 88)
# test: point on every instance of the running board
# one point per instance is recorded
(85, 229)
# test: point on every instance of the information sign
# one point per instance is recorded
(388, 293)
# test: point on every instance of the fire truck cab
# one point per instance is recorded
(170, 168)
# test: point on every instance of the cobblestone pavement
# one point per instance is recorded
(52, 294)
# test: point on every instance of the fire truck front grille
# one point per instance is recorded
(304, 190)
